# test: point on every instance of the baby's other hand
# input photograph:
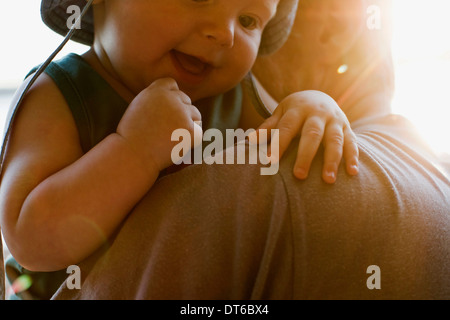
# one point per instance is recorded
(318, 119)
(153, 116)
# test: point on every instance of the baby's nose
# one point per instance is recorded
(220, 33)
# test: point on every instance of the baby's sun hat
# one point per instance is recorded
(55, 16)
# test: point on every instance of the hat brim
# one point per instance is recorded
(279, 28)
(55, 15)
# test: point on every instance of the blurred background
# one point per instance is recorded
(421, 51)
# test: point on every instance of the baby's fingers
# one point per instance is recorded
(334, 145)
(310, 140)
(267, 125)
(270, 123)
(288, 127)
(351, 152)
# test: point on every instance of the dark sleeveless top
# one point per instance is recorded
(97, 109)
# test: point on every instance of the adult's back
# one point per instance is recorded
(227, 232)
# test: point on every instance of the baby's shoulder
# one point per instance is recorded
(42, 103)
(43, 120)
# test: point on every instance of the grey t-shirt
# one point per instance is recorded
(227, 232)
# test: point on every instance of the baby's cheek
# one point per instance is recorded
(244, 62)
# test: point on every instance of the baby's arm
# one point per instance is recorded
(58, 205)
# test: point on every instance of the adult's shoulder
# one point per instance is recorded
(395, 214)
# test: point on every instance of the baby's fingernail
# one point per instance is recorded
(330, 176)
(354, 169)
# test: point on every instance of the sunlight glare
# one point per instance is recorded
(421, 50)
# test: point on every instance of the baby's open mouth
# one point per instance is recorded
(190, 63)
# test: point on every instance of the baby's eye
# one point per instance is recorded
(248, 22)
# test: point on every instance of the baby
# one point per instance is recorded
(94, 132)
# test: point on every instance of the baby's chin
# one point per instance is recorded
(204, 92)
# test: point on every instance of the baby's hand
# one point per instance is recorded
(153, 116)
(316, 117)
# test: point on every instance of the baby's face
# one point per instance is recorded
(207, 46)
